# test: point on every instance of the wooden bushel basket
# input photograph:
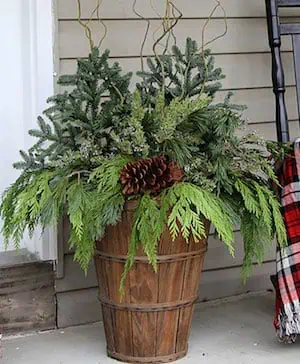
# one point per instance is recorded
(152, 322)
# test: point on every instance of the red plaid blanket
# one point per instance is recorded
(287, 320)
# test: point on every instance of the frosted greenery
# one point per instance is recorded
(90, 132)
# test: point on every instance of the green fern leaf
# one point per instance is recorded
(250, 202)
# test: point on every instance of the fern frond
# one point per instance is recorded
(256, 238)
(250, 202)
(278, 223)
(107, 175)
(23, 203)
(146, 231)
(190, 204)
(76, 198)
(189, 221)
(266, 213)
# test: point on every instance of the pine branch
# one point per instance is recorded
(183, 64)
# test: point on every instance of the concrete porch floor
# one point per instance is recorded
(235, 331)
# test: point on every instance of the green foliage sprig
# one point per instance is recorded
(185, 74)
(261, 221)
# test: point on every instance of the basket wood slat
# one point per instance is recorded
(151, 324)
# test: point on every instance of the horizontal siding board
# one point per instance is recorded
(82, 306)
(125, 38)
(217, 257)
(225, 283)
(268, 130)
(261, 103)
(122, 9)
(249, 76)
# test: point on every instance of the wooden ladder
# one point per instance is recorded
(276, 29)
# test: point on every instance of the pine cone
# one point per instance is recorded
(149, 175)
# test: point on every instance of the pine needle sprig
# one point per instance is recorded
(183, 71)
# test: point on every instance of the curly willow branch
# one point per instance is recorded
(220, 6)
(146, 32)
(170, 21)
(172, 30)
(168, 27)
(167, 23)
(216, 7)
(88, 31)
(102, 23)
(89, 35)
(171, 17)
(86, 25)
(161, 25)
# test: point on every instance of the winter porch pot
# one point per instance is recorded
(151, 322)
(168, 145)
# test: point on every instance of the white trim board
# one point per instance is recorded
(28, 68)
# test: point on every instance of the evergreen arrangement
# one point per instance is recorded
(166, 144)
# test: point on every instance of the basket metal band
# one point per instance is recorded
(160, 258)
(155, 359)
(148, 307)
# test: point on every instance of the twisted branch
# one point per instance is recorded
(204, 45)
(86, 25)
(102, 23)
(88, 31)
(146, 33)
(168, 27)
(162, 25)
(217, 6)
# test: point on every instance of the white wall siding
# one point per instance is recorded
(122, 9)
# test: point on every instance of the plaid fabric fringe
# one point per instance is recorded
(287, 319)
